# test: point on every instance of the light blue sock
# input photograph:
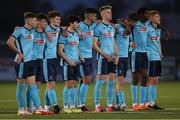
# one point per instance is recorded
(110, 92)
(142, 95)
(20, 95)
(78, 90)
(52, 97)
(116, 100)
(147, 94)
(73, 93)
(83, 93)
(28, 97)
(134, 91)
(153, 90)
(46, 99)
(120, 95)
(66, 96)
(97, 91)
(34, 95)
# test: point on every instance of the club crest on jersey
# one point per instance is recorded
(73, 43)
(29, 37)
(108, 34)
(54, 34)
(142, 29)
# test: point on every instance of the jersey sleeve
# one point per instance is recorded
(62, 40)
(97, 31)
(16, 33)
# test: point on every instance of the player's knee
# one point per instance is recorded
(101, 77)
(87, 80)
(144, 82)
(135, 81)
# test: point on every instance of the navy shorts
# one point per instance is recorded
(86, 67)
(50, 69)
(122, 66)
(39, 70)
(105, 67)
(139, 60)
(155, 68)
(25, 69)
(71, 72)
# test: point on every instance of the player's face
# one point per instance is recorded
(75, 25)
(56, 21)
(43, 23)
(32, 22)
(92, 17)
(156, 19)
(107, 14)
(131, 23)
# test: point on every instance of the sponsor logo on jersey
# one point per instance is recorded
(73, 43)
(108, 34)
(40, 41)
(89, 33)
(142, 29)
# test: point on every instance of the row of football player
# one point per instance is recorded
(33, 45)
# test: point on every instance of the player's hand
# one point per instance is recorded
(72, 63)
(49, 35)
(19, 58)
(108, 57)
(162, 56)
(116, 60)
(133, 44)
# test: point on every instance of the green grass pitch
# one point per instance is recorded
(168, 98)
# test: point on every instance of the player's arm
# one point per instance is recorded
(96, 47)
(11, 44)
(116, 60)
(63, 55)
(161, 52)
(81, 57)
(127, 27)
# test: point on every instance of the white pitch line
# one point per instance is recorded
(14, 100)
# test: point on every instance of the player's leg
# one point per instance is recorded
(51, 84)
(121, 69)
(100, 78)
(110, 86)
(135, 80)
(144, 81)
(86, 70)
(154, 73)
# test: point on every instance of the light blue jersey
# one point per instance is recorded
(140, 31)
(71, 45)
(24, 41)
(39, 43)
(122, 41)
(51, 46)
(105, 34)
(85, 45)
(154, 44)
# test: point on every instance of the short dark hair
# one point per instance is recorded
(41, 16)
(90, 10)
(73, 18)
(132, 16)
(104, 7)
(142, 10)
(53, 14)
(29, 15)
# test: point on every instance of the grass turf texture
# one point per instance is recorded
(168, 98)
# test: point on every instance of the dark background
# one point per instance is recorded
(12, 15)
